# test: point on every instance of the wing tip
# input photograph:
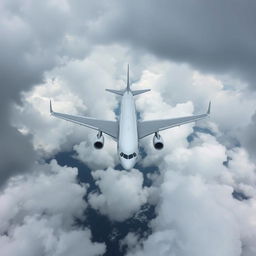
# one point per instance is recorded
(209, 108)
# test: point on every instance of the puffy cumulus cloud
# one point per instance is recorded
(179, 83)
(153, 106)
(206, 188)
(32, 49)
(214, 162)
(43, 193)
(194, 193)
(191, 222)
(121, 193)
(37, 236)
(173, 85)
(206, 157)
(76, 88)
(243, 170)
(130, 241)
(94, 158)
(199, 163)
(38, 214)
(33, 118)
(35, 38)
(197, 212)
(198, 216)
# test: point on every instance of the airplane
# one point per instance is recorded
(127, 130)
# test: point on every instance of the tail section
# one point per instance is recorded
(121, 92)
(118, 92)
(137, 92)
(128, 79)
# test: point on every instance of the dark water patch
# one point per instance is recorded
(226, 163)
(240, 195)
(113, 232)
(196, 130)
(102, 228)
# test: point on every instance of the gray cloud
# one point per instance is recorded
(247, 137)
(211, 36)
(34, 38)
(214, 36)
(16, 152)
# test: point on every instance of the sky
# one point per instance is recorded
(60, 196)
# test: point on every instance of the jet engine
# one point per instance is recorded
(99, 143)
(158, 142)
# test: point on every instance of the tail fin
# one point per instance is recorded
(128, 80)
(121, 92)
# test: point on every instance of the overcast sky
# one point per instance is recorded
(187, 53)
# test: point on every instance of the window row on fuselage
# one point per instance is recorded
(128, 156)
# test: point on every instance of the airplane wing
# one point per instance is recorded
(146, 128)
(108, 127)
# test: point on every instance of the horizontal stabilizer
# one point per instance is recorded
(119, 92)
(137, 92)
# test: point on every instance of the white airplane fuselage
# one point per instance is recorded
(128, 143)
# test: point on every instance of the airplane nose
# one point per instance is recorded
(128, 164)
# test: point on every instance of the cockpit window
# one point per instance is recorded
(128, 156)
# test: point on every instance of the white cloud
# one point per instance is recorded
(77, 88)
(178, 83)
(121, 193)
(196, 211)
(37, 236)
(97, 159)
(199, 164)
(38, 214)
(152, 106)
(190, 220)
(195, 206)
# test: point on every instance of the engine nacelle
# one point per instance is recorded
(158, 142)
(99, 143)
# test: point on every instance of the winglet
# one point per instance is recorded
(209, 109)
(51, 107)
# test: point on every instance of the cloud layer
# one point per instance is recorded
(121, 193)
(37, 214)
(188, 53)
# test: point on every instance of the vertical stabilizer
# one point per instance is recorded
(121, 92)
(128, 82)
